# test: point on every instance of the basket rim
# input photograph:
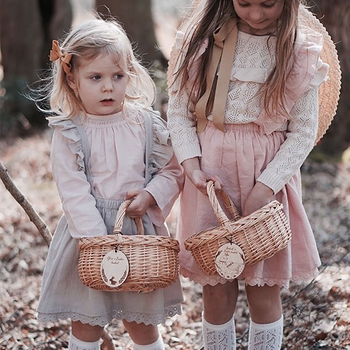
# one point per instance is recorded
(243, 223)
(150, 240)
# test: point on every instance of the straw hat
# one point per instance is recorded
(329, 90)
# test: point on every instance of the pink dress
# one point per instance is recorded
(253, 148)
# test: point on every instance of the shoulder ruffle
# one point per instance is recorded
(68, 128)
(307, 71)
(177, 56)
(161, 151)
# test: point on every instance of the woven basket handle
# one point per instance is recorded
(219, 213)
(120, 218)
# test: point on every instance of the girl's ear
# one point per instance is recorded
(71, 81)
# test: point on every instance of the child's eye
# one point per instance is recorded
(269, 5)
(119, 76)
(243, 5)
(96, 77)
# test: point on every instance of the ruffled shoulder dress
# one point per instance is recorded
(93, 174)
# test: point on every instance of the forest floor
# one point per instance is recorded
(316, 313)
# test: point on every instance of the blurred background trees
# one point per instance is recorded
(136, 16)
(27, 28)
(335, 16)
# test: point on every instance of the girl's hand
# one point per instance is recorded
(258, 197)
(198, 177)
(141, 200)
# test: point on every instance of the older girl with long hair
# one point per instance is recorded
(243, 112)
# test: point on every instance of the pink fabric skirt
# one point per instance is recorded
(238, 157)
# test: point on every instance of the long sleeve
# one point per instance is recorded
(181, 121)
(79, 206)
(165, 188)
(182, 126)
(166, 173)
(300, 138)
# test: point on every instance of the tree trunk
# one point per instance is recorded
(26, 30)
(20, 24)
(335, 16)
(136, 18)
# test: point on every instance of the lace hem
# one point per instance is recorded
(283, 283)
(203, 279)
(250, 280)
(119, 315)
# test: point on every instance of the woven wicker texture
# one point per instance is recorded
(260, 235)
(329, 90)
(153, 260)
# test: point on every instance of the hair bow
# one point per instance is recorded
(56, 54)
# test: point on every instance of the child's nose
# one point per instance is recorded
(256, 15)
(107, 86)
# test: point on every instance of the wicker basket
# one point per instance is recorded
(260, 235)
(152, 260)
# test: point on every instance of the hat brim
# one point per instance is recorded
(329, 90)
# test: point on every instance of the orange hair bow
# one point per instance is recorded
(56, 54)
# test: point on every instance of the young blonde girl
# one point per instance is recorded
(252, 141)
(100, 103)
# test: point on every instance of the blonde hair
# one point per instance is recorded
(86, 42)
(209, 18)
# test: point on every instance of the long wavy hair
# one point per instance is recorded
(205, 20)
(86, 42)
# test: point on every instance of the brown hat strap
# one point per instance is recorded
(221, 63)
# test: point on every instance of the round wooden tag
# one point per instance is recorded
(114, 268)
(229, 261)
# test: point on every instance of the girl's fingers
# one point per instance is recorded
(217, 183)
(132, 193)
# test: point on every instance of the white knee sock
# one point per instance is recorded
(219, 337)
(157, 345)
(266, 336)
(77, 344)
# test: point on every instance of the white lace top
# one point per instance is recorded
(254, 59)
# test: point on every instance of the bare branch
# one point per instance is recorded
(25, 204)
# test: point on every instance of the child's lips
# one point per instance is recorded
(107, 101)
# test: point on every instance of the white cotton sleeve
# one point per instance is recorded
(182, 127)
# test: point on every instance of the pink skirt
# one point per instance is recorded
(238, 157)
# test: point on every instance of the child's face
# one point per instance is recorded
(258, 16)
(100, 84)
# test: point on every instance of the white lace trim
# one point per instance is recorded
(250, 280)
(157, 345)
(219, 337)
(203, 279)
(266, 337)
(257, 281)
(77, 344)
(119, 315)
